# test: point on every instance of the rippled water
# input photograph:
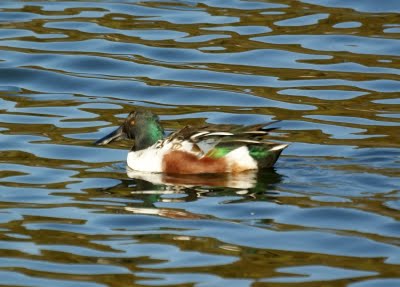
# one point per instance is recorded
(327, 215)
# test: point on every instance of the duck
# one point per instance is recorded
(207, 149)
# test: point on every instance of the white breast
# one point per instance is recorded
(150, 159)
(146, 160)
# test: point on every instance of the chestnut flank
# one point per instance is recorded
(187, 163)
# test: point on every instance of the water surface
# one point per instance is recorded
(326, 215)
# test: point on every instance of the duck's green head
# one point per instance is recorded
(143, 126)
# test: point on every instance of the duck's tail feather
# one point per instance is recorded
(266, 154)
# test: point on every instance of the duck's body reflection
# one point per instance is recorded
(251, 182)
(158, 187)
(242, 180)
(149, 191)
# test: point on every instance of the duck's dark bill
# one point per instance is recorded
(115, 135)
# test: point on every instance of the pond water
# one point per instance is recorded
(326, 215)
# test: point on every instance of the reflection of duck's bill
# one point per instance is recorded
(243, 180)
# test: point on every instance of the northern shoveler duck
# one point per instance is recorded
(190, 150)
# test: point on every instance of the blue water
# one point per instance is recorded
(326, 215)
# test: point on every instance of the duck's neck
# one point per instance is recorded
(148, 135)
